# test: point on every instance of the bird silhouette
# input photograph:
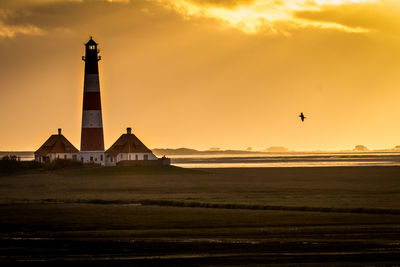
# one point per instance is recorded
(302, 117)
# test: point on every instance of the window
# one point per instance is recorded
(129, 156)
(82, 159)
(111, 159)
(91, 159)
(95, 159)
(65, 156)
(101, 157)
(92, 47)
(136, 157)
(145, 157)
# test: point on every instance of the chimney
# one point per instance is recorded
(59, 131)
(129, 130)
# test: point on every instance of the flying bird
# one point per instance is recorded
(302, 117)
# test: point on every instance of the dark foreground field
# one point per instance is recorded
(268, 216)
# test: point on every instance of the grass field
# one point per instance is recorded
(276, 216)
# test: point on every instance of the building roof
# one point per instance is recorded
(56, 143)
(127, 143)
(91, 42)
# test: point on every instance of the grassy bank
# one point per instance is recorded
(333, 187)
(291, 216)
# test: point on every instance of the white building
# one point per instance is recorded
(56, 147)
(129, 150)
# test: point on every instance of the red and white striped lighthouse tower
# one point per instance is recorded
(92, 138)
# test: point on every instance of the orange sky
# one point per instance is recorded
(205, 73)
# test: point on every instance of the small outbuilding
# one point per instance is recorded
(129, 150)
(56, 147)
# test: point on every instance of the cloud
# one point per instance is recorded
(10, 31)
(277, 16)
(223, 3)
(39, 17)
(375, 17)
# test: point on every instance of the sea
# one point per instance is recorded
(257, 160)
(287, 160)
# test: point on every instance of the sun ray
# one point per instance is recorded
(260, 15)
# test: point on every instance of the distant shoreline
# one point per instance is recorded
(194, 152)
(245, 159)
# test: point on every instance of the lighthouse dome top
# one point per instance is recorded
(91, 42)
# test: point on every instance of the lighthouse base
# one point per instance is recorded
(92, 157)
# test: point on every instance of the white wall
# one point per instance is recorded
(53, 156)
(135, 156)
(97, 157)
(112, 161)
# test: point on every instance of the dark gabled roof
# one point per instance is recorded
(57, 143)
(127, 143)
(91, 42)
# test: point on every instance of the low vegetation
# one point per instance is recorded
(12, 164)
(66, 167)
(63, 164)
(97, 171)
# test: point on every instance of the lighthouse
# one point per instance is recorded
(128, 150)
(92, 138)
